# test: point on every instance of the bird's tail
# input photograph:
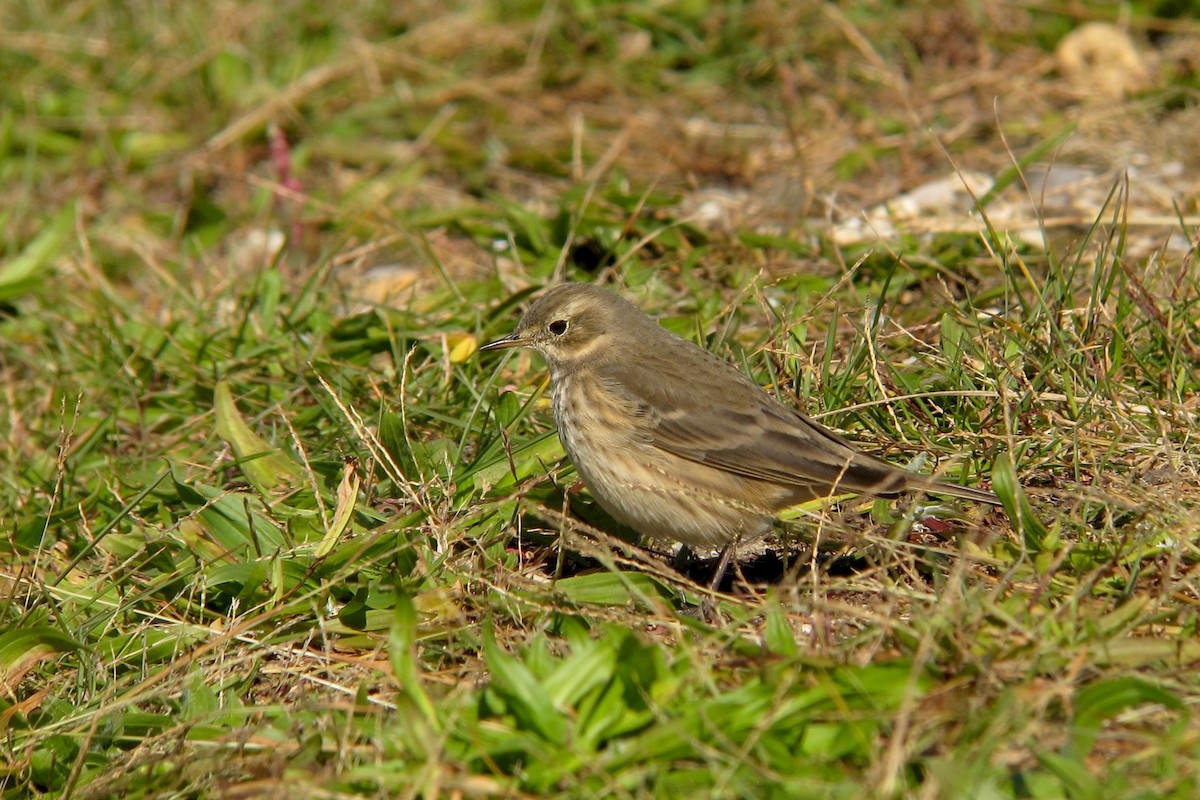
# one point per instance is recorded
(965, 492)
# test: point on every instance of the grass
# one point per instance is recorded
(272, 527)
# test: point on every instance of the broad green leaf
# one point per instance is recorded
(1139, 651)
(611, 588)
(394, 439)
(266, 467)
(1102, 700)
(20, 647)
(402, 652)
(153, 645)
(778, 633)
(198, 700)
(31, 267)
(233, 520)
(347, 496)
(1037, 537)
(1073, 774)
(579, 674)
(951, 339)
(522, 693)
(500, 471)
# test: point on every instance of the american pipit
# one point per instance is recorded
(678, 444)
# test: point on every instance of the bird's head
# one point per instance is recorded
(572, 323)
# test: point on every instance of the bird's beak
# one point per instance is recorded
(514, 339)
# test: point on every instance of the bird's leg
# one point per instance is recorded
(708, 607)
(722, 565)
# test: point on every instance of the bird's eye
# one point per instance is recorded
(558, 327)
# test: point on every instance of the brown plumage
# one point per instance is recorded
(677, 443)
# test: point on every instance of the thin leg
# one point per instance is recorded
(708, 608)
(722, 565)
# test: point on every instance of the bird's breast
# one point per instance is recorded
(591, 420)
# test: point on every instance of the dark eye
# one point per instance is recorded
(558, 327)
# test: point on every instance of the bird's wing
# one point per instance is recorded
(735, 426)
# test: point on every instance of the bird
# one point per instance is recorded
(679, 444)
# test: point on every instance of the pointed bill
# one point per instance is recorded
(514, 339)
